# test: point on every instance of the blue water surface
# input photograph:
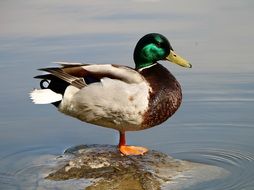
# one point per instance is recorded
(215, 124)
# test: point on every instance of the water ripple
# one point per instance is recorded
(239, 165)
(25, 168)
(207, 100)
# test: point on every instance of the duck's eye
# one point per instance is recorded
(158, 45)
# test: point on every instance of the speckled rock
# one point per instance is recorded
(108, 169)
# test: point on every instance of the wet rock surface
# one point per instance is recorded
(108, 169)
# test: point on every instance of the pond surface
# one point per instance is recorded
(215, 124)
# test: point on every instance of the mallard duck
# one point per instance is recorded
(116, 96)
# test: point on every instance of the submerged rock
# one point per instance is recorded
(108, 169)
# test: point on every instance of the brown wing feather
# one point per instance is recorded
(83, 71)
(60, 73)
(82, 75)
(78, 71)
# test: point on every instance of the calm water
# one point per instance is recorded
(215, 124)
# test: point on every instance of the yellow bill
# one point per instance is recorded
(174, 58)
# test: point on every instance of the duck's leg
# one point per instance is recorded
(129, 150)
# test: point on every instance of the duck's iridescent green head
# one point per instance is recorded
(155, 47)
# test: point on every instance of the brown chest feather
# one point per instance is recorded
(165, 98)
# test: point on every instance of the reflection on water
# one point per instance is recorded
(28, 168)
(239, 164)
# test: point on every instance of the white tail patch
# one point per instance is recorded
(44, 96)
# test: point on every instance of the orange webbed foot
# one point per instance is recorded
(132, 150)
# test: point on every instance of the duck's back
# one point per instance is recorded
(165, 98)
